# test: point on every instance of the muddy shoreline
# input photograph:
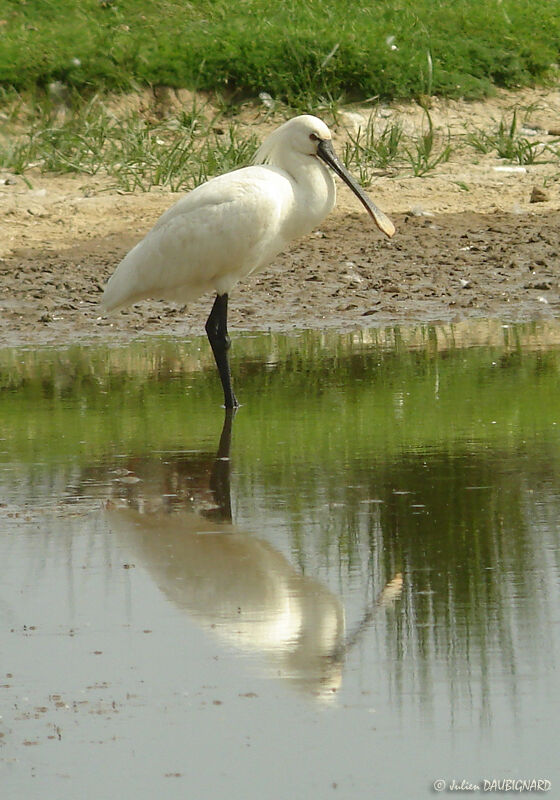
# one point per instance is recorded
(443, 268)
(471, 242)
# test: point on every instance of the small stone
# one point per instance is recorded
(538, 195)
(129, 479)
(418, 211)
(267, 100)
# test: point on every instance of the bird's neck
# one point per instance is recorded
(315, 192)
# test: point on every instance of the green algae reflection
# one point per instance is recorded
(430, 453)
(328, 399)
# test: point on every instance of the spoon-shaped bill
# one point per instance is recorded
(326, 153)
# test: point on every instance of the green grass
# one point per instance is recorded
(296, 51)
(509, 143)
(368, 152)
(305, 56)
(134, 151)
(425, 154)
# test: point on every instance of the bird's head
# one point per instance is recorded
(305, 133)
(309, 136)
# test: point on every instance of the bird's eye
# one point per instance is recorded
(313, 137)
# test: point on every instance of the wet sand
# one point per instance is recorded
(444, 268)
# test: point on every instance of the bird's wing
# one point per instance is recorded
(211, 238)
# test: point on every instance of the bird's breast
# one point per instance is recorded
(312, 198)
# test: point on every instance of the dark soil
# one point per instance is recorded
(442, 268)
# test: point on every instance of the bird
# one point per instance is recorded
(234, 225)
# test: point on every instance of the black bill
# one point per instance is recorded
(326, 153)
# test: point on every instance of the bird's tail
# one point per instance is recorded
(125, 286)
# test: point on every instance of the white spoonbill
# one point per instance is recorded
(235, 224)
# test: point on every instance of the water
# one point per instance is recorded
(349, 590)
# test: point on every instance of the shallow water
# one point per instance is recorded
(350, 589)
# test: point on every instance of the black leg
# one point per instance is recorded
(216, 329)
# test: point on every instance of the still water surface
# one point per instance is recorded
(351, 589)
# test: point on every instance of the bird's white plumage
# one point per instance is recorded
(232, 225)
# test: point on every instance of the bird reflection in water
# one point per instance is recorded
(176, 518)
